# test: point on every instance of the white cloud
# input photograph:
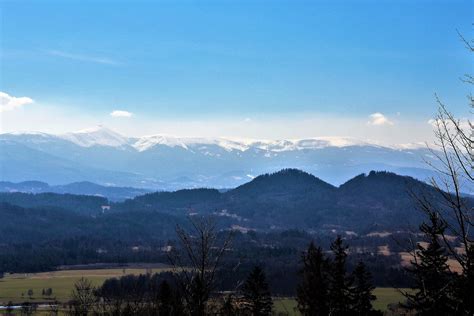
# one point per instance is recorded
(378, 119)
(9, 103)
(121, 113)
(432, 122)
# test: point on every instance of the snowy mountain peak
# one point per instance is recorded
(309, 143)
(147, 142)
(96, 136)
(103, 136)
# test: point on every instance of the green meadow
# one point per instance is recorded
(15, 287)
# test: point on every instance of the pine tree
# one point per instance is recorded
(312, 293)
(362, 291)
(433, 280)
(165, 298)
(464, 285)
(256, 294)
(340, 282)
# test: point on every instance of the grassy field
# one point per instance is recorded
(15, 287)
(384, 295)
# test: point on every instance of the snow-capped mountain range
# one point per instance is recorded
(103, 136)
(166, 162)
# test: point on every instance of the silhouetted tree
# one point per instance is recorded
(340, 283)
(168, 300)
(256, 294)
(197, 260)
(312, 292)
(48, 291)
(433, 280)
(82, 297)
(362, 292)
(454, 152)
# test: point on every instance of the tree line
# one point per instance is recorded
(325, 288)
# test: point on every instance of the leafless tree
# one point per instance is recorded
(196, 261)
(453, 163)
(82, 298)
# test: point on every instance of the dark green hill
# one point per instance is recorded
(180, 202)
(284, 182)
(82, 204)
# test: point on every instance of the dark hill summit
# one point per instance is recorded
(286, 181)
(381, 182)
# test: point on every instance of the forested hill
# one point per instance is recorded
(287, 199)
(79, 188)
(77, 229)
(81, 204)
(284, 182)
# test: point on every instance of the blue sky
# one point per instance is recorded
(227, 63)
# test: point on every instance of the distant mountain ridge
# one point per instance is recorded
(103, 136)
(78, 188)
(163, 162)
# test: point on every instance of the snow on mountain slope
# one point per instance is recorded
(310, 143)
(99, 135)
(103, 136)
(147, 142)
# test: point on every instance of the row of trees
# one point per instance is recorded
(326, 287)
(159, 294)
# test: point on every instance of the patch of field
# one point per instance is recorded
(14, 287)
(384, 250)
(285, 306)
(454, 266)
(379, 234)
(406, 259)
(385, 296)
